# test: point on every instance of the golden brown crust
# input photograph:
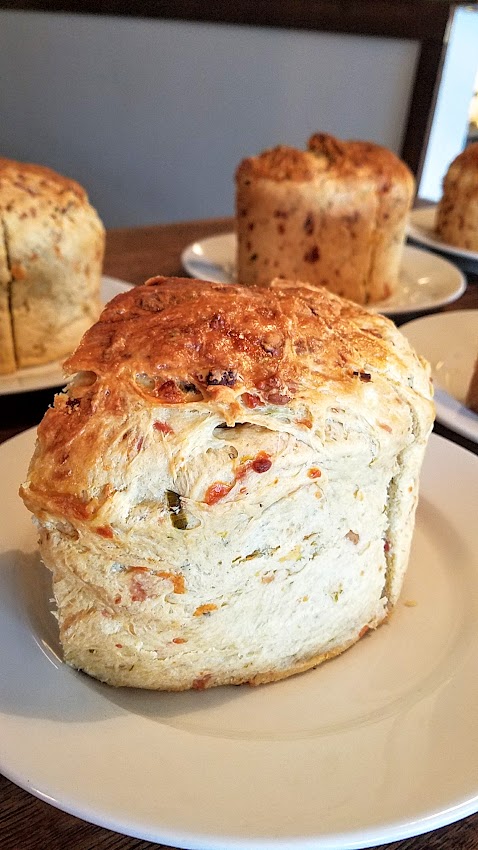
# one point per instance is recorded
(468, 158)
(184, 330)
(326, 154)
(33, 185)
(177, 341)
(380, 162)
(279, 163)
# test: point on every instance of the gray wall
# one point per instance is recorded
(152, 117)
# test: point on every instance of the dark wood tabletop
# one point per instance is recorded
(27, 823)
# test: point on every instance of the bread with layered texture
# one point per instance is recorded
(51, 257)
(333, 215)
(226, 491)
(457, 211)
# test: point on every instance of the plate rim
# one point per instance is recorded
(189, 255)
(55, 366)
(415, 232)
(455, 420)
(400, 829)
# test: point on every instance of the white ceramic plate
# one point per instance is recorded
(449, 341)
(421, 228)
(51, 374)
(375, 746)
(426, 281)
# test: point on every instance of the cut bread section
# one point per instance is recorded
(50, 265)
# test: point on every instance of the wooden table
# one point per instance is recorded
(26, 823)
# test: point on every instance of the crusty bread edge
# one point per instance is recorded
(315, 661)
(269, 677)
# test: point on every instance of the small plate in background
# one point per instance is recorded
(421, 228)
(449, 341)
(426, 281)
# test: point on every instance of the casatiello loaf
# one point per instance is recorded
(457, 211)
(51, 257)
(226, 491)
(333, 215)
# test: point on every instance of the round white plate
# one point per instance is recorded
(449, 341)
(426, 281)
(374, 746)
(51, 374)
(421, 228)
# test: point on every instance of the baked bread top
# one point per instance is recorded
(460, 185)
(332, 158)
(228, 339)
(35, 190)
(290, 350)
(467, 160)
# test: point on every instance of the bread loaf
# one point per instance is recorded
(51, 255)
(457, 211)
(333, 215)
(226, 491)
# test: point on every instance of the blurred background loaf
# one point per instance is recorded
(457, 212)
(51, 258)
(333, 215)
